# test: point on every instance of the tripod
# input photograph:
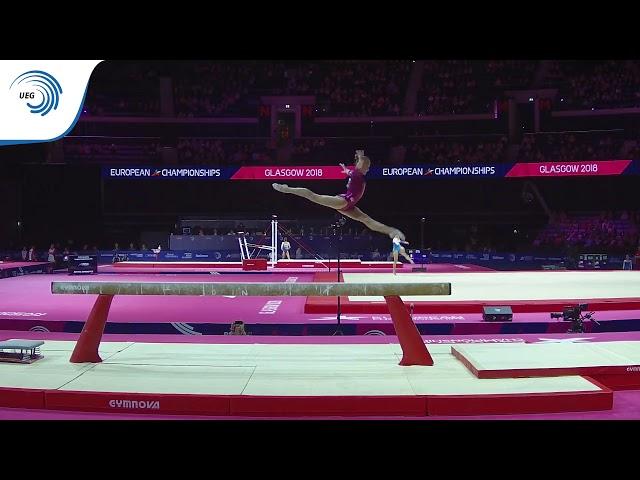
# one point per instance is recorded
(577, 322)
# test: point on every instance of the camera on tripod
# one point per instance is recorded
(570, 312)
(574, 315)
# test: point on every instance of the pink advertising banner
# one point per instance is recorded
(569, 169)
(289, 173)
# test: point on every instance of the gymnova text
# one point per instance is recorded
(22, 314)
(164, 172)
(141, 404)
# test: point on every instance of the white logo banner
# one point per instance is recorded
(41, 100)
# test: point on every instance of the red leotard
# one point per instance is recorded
(355, 189)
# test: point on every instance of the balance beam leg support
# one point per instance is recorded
(414, 351)
(86, 349)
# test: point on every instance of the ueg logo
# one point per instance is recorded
(41, 100)
(141, 404)
(38, 85)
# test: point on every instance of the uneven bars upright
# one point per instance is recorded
(274, 240)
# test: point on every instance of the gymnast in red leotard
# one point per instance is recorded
(346, 203)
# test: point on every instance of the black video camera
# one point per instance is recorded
(571, 312)
(574, 315)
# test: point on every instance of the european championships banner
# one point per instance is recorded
(422, 172)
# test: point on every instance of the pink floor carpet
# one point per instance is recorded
(29, 298)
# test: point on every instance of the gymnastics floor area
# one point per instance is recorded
(168, 357)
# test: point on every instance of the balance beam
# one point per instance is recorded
(413, 348)
(329, 289)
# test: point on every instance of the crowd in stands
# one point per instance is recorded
(210, 88)
(438, 149)
(205, 88)
(231, 152)
(317, 151)
(190, 150)
(105, 105)
(510, 74)
(450, 86)
(634, 151)
(607, 232)
(90, 149)
(585, 85)
(334, 150)
(225, 151)
(56, 253)
(227, 88)
(469, 86)
(309, 148)
(363, 88)
(130, 88)
(457, 150)
(342, 88)
(567, 146)
(354, 88)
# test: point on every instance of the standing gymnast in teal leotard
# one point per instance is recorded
(399, 249)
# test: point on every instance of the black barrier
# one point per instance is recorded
(83, 264)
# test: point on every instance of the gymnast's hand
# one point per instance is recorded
(344, 169)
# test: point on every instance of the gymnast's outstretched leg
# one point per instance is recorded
(330, 201)
(403, 252)
(356, 214)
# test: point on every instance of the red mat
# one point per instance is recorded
(615, 377)
(330, 304)
(349, 406)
